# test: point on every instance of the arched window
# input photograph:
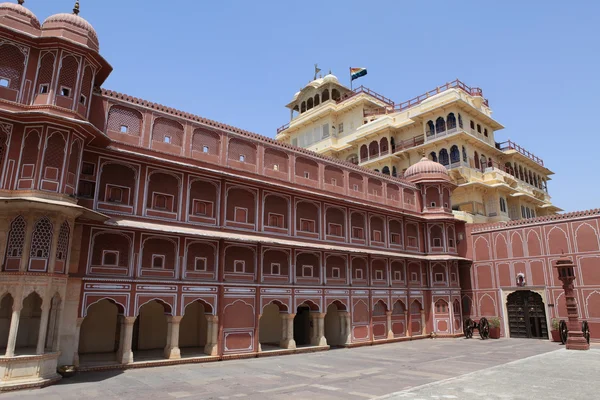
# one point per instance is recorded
(502, 205)
(325, 95)
(483, 162)
(472, 125)
(476, 159)
(464, 154)
(454, 154)
(364, 152)
(393, 144)
(373, 149)
(430, 128)
(335, 94)
(522, 211)
(317, 100)
(485, 132)
(309, 104)
(451, 121)
(444, 160)
(16, 238)
(303, 107)
(394, 172)
(460, 123)
(41, 239)
(385, 170)
(440, 125)
(383, 145)
(433, 156)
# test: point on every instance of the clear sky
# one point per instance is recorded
(240, 62)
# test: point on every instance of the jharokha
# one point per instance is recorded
(134, 234)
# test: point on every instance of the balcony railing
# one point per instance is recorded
(508, 145)
(456, 84)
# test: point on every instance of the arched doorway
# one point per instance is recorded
(29, 325)
(6, 306)
(193, 330)
(526, 315)
(150, 331)
(100, 333)
(334, 324)
(270, 332)
(303, 322)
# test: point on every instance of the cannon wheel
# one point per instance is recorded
(468, 328)
(484, 328)
(586, 331)
(563, 330)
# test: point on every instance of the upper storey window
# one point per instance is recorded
(44, 88)
(65, 91)
(12, 63)
(4, 82)
(167, 131)
(124, 120)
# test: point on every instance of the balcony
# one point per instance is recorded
(508, 145)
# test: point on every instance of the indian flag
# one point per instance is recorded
(356, 73)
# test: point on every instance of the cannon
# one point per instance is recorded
(564, 331)
(483, 326)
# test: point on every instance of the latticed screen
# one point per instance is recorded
(68, 75)
(31, 148)
(16, 237)
(55, 153)
(2, 148)
(45, 72)
(276, 160)
(63, 242)
(74, 157)
(41, 239)
(124, 120)
(206, 142)
(12, 64)
(86, 85)
(239, 148)
(167, 131)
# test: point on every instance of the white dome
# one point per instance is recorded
(330, 78)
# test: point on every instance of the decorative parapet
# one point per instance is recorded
(537, 220)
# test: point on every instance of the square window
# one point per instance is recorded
(275, 269)
(44, 89)
(306, 174)
(110, 258)
(478, 128)
(334, 181)
(433, 204)
(275, 167)
(414, 277)
(203, 208)
(239, 266)
(379, 275)
(335, 230)
(205, 149)
(450, 242)
(335, 272)
(242, 158)
(437, 242)
(160, 202)
(439, 277)
(377, 236)
(341, 127)
(412, 241)
(124, 129)
(167, 139)
(158, 261)
(87, 168)
(357, 233)
(4, 82)
(355, 188)
(115, 195)
(398, 275)
(200, 264)
(307, 225)
(241, 215)
(395, 238)
(358, 274)
(65, 91)
(276, 220)
(82, 99)
(307, 271)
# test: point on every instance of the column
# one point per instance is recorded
(79, 321)
(390, 333)
(423, 323)
(318, 330)
(172, 348)
(14, 328)
(212, 335)
(126, 356)
(287, 322)
(43, 330)
(407, 323)
(345, 327)
(27, 243)
(56, 224)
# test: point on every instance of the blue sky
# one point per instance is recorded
(240, 62)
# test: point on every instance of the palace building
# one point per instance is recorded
(133, 234)
(451, 124)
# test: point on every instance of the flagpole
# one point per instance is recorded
(350, 77)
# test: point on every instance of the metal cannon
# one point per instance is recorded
(483, 326)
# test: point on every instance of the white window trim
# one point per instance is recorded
(398, 276)
(63, 88)
(302, 220)
(336, 272)
(46, 86)
(276, 215)
(235, 211)
(84, 97)
(167, 139)
(333, 182)
(117, 253)
(438, 277)
(397, 235)
(307, 268)
(329, 230)
(206, 204)
(359, 273)
(306, 174)
(242, 158)
(166, 203)
(378, 275)
(275, 266)
(235, 266)
(414, 277)
(196, 259)
(375, 232)
(275, 167)
(155, 256)
(205, 149)
(2, 78)
(107, 192)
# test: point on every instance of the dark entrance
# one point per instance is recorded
(302, 326)
(526, 315)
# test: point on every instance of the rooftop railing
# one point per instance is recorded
(508, 145)
(456, 84)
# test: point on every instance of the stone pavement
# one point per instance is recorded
(423, 369)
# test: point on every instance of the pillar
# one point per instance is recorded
(318, 329)
(43, 330)
(212, 335)
(287, 337)
(345, 326)
(423, 323)
(78, 323)
(126, 356)
(407, 323)
(172, 348)
(14, 328)
(390, 332)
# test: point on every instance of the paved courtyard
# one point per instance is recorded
(424, 369)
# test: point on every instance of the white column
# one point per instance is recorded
(406, 324)
(14, 329)
(390, 332)
(76, 344)
(423, 323)
(345, 327)
(172, 348)
(126, 356)
(212, 336)
(41, 343)
(287, 322)
(318, 329)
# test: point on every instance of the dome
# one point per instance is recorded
(426, 169)
(330, 78)
(20, 15)
(73, 27)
